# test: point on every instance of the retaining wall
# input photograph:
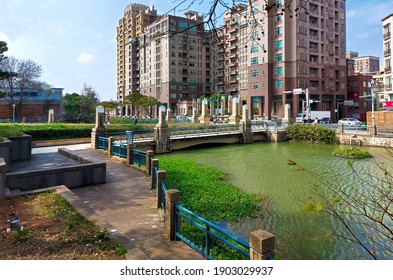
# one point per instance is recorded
(86, 173)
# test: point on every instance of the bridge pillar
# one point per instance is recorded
(235, 118)
(99, 129)
(169, 119)
(245, 127)
(162, 134)
(261, 245)
(204, 118)
(287, 117)
(194, 116)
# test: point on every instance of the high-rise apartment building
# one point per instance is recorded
(136, 18)
(387, 23)
(267, 53)
(261, 53)
(176, 61)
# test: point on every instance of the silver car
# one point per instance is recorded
(350, 122)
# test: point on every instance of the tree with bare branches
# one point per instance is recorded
(362, 208)
(20, 76)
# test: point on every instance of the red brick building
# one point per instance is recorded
(34, 106)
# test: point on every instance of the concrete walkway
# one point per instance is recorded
(126, 207)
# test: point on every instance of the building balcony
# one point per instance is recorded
(232, 63)
(221, 66)
(234, 29)
(233, 47)
(233, 72)
(233, 81)
(233, 55)
(388, 69)
(221, 82)
(232, 38)
(220, 74)
(315, 50)
(232, 89)
(220, 50)
(387, 52)
(386, 35)
(314, 38)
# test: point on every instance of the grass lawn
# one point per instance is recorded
(52, 230)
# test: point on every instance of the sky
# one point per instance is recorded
(75, 41)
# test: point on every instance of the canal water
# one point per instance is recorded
(262, 168)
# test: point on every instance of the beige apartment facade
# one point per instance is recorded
(131, 25)
(387, 24)
(176, 62)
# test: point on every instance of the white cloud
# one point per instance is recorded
(4, 37)
(85, 58)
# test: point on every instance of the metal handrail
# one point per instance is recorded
(211, 231)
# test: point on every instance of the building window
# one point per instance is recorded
(279, 84)
(173, 87)
(279, 30)
(254, 48)
(279, 17)
(279, 70)
(254, 73)
(279, 44)
(254, 86)
(254, 60)
(279, 57)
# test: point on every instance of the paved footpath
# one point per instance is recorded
(126, 207)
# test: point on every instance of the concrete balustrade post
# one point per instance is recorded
(172, 198)
(154, 164)
(149, 155)
(110, 145)
(3, 167)
(99, 129)
(340, 128)
(161, 177)
(261, 245)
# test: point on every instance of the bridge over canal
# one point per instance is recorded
(163, 139)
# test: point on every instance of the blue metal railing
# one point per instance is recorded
(154, 174)
(138, 157)
(163, 197)
(208, 238)
(103, 143)
(119, 149)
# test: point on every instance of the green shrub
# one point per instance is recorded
(206, 191)
(312, 133)
(351, 152)
(8, 131)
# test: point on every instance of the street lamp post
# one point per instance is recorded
(372, 83)
(13, 113)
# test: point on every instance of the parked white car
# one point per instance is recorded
(350, 122)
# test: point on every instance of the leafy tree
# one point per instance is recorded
(139, 101)
(108, 105)
(81, 107)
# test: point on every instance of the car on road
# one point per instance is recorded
(350, 122)
(326, 120)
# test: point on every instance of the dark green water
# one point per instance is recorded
(262, 168)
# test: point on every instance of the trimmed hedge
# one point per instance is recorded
(7, 131)
(62, 130)
(311, 133)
